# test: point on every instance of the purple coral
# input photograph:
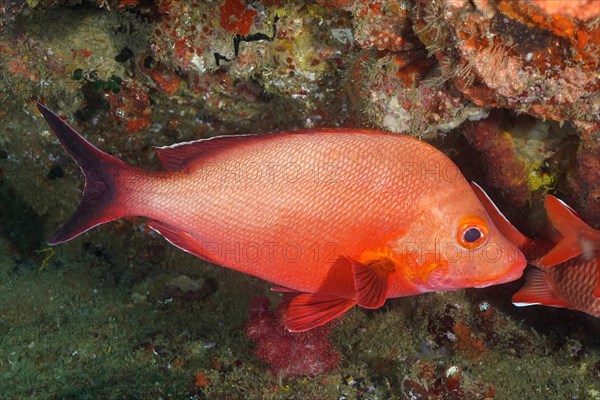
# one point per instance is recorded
(289, 354)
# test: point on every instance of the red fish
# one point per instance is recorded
(572, 284)
(577, 237)
(340, 217)
(568, 272)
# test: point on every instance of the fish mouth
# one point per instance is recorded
(441, 280)
(437, 280)
(514, 273)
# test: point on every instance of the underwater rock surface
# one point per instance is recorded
(509, 89)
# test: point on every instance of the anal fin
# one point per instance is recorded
(309, 310)
(179, 238)
(537, 292)
(282, 289)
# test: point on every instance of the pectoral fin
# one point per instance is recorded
(371, 282)
(309, 310)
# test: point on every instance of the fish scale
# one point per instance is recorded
(372, 218)
(574, 281)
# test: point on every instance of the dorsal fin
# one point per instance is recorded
(182, 156)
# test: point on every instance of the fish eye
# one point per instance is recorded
(472, 233)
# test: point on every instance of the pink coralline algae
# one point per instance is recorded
(578, 9)
(289, 354)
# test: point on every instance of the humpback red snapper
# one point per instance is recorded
(339, 217)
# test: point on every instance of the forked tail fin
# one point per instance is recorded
(577, 236)
(99, 201)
